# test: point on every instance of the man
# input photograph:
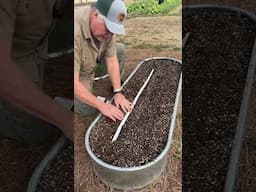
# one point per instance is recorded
(95, 27)
(26, 113)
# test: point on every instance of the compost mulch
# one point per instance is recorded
(215, 61)
(145, 133)
(59, 174)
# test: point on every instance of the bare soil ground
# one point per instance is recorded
(160, 33)
(145, 37)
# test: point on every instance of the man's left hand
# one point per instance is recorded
(122, 102)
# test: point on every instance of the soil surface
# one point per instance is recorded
(145, 133)
(215, 61)
(59, 175)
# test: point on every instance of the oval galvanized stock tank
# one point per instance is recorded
(139, 176)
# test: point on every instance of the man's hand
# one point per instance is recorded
(111, 112)
(122, 102)
(113, 70)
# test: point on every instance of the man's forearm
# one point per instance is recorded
(114, 72)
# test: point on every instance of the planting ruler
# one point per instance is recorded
(133, 103)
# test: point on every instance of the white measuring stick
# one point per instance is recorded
(133, 104)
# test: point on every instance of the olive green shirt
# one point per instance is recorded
(85, 50)
(25, 24)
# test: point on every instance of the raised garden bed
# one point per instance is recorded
(218, 78)
(141, 148)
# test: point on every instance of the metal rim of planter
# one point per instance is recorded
(172, 125)
(237, 144)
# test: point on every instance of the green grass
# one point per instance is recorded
(176, 49)
(151, 7)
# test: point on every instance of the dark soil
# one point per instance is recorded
(17, 162)
(145, 133)
(59, 175)
(215, 61)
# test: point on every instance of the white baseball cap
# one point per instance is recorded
(114, 12)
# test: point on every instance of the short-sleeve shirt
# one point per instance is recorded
(25, 24)
(85, 50)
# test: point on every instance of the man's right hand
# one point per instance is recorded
(82, 93)
(111, 112)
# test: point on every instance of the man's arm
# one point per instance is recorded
(114, 74)
(113, 71)
(23, 93)
(82, 93)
